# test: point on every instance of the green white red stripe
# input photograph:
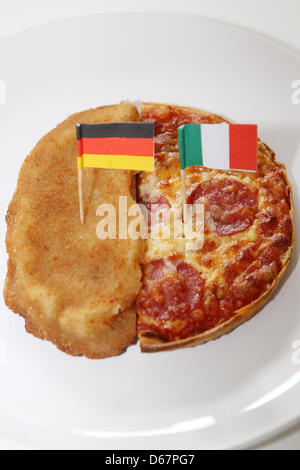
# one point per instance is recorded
(219, 146)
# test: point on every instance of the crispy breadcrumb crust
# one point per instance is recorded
(72, 288)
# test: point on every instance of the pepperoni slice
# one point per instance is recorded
(173, 293)
(154, 270)
(230, 206)
(158, 201)
(158, 209)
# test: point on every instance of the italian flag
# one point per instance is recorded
(219, 146)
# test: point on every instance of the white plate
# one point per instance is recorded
(226, 394)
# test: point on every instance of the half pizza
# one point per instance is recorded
(191, 297)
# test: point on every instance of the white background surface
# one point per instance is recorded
(279, 19)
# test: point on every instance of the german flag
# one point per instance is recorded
(120, 145)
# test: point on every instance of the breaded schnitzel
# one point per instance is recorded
(61, 277)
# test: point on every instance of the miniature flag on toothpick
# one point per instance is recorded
(120, 145)
(219, 146)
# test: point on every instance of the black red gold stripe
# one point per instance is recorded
(122, 145)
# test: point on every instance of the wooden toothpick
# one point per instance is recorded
(80, 190)
(183, 193)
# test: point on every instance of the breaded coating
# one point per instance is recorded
(72, 288)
